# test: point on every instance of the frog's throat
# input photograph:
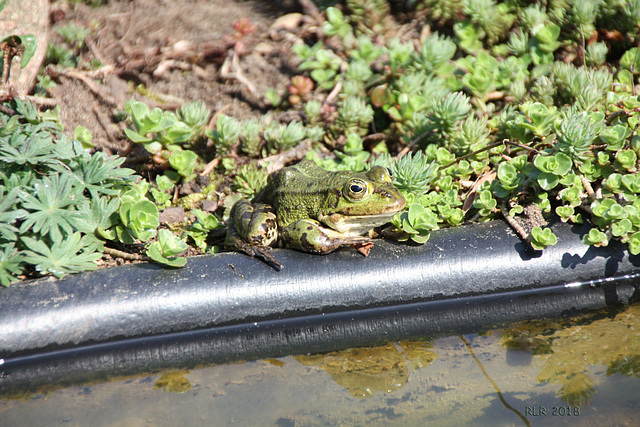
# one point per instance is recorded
(355, 225)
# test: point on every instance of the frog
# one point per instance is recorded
(309, 209)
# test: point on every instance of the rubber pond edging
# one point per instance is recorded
(227, 307)
(231, 289)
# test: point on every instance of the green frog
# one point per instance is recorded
(313, 210)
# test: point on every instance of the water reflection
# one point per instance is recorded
(571, 346)
(364, 371)
(173, 382)
(568, 347)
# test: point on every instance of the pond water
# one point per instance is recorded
(583, 370)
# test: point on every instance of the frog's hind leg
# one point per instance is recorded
(309, 235)
(254, 223)
(251, 229)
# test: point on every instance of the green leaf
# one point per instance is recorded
(627, 158)
(480, 82)
(164, 182)
(485, 200)
(183, 161)
(547, 37)
(632, 182)
(143, 219)
(565, 212)
(50, 207)
(166, 248)
(595, 237)
(613, 182)
(227, 131)
(101, 173)
(619, 228)
(631, 60)
(324, 77)
(516, 210)
(336, 24)
(27, 149)
(136, 137)
(541, 238)
(557, 164)
(541, 117)
(70, 255)
(206, 221)
(571, 195)
(539, 56)
(176, 133)
(548, 181)
(422, 237)
(468, 36)
(615, 136)
(509, 176)
(10, 264)
(634, 243)
(143, 119)
(334, 15)
(417, 222)
(625, 78)
(98, 213)
(615, 211)
(577, 134)
(8, 215)
(195, 114)
(83, 135)
(601, 206)
(425, 219)
(30, 44)
(413, 172)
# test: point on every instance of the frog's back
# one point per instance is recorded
(304, 177)
(297, 191)
(308, 170)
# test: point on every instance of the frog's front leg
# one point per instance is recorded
(310, 236)
(252, 228)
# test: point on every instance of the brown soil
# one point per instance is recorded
(174, 52)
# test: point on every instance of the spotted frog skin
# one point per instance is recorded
(313, 210)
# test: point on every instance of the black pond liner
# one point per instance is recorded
(229, 307)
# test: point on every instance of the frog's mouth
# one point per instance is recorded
(355, 225)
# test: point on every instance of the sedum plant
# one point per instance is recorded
(167, 248)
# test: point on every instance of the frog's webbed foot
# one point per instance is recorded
(363, 248)
(236, 243)
(265, 255)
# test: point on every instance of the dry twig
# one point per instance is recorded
(278, 161)
(125, 255)
(84, 78)
(231, 70)
(588, 188)
(520, 231)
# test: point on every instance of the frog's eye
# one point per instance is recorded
(356, 189)
(389, 171)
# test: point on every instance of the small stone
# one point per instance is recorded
(288, 22)
(209, 205)
(172, 215)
